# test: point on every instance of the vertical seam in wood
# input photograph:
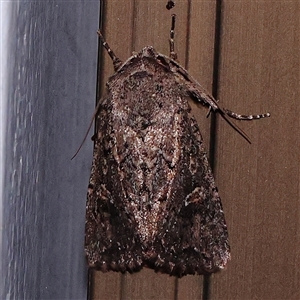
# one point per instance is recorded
(133, 25)
(122, 286)
(188, 32)
(90, 285)
(100, 59)
(213, 124)
(176, 289)
(215, 86)
(206, 287)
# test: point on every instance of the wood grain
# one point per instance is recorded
(258, 183)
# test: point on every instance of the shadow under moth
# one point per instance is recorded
(152, 199)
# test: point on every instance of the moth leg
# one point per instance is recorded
(198, 93)
(245, 117)
(173, 54)
(237, 116)
(116, 61)
(202, 96)
(209, 110)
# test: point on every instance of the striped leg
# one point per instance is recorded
(244, 117)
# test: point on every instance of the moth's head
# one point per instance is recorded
(147, 58)
(155, 57)
(148, 51)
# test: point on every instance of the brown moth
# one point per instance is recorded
(152, 198)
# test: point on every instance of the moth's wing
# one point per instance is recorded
(111, 242)
(152, 198)
(193, 237)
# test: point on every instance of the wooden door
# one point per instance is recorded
(252, 65)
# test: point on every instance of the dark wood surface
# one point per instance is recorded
(258, 183)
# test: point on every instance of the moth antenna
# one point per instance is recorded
(116, 61)
(173, 54)
(88, 130)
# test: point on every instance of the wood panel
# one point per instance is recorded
(259, 72)
(258, 183)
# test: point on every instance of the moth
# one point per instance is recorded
(152, 199)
